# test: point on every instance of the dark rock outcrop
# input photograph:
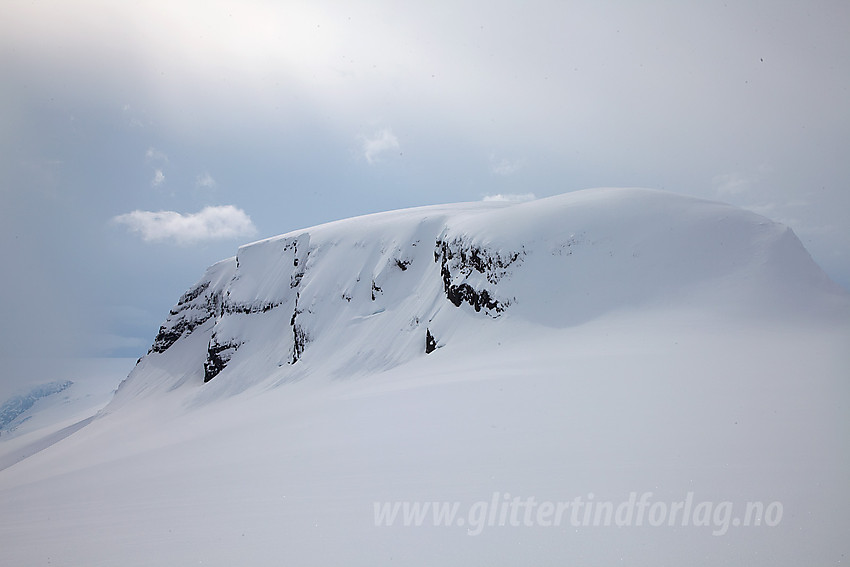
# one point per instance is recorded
(459, 260)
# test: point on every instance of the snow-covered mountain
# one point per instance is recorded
(11, 409)
(47, 412)
(605, 346)
(366, 294)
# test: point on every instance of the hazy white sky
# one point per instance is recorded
(142, 141)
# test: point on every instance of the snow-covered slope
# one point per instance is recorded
(590, 346)
(365, 294)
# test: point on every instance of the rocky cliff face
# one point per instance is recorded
(366, 294)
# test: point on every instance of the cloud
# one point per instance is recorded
(731, 184)
(156, 158)
(105, 344)
(737, 183)
(211, 223)
(205, 181)
(505, 167)
(511, 197)
(158, 178)
(153, 155)
(383, 141)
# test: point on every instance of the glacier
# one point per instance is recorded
(19, 404)
(595, 344)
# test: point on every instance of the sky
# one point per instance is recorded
(142, 141)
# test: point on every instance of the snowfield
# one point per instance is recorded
(501, 358)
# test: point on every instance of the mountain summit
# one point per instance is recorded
(366, 294)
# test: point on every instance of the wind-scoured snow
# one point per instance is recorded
(594, 344)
